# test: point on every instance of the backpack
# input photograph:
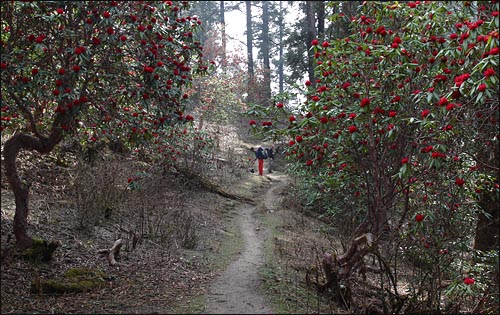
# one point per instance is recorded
(270, 153)
(261, 154)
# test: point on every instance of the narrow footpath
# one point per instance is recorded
(237, 290)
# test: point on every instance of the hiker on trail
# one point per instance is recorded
(260, 155)
(270, 155)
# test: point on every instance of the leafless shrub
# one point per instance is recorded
(97, 191)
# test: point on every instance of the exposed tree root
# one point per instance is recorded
(113, 252)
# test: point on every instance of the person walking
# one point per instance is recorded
(261, 156)
(270, 155)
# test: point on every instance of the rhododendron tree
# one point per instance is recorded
(395, 132)
(92, 69)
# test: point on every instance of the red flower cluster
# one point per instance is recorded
(469, 280)
(365, 102)
(425, 113)
(489, 72)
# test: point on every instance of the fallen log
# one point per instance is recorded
(214, 187)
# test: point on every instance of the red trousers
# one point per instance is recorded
(261, 166)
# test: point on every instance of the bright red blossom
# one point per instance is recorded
(425, 113)
(419, 217)
(365, 102)
(459, 181)
(489, 72)
(469, 280)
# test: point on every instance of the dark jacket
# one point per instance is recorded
(259, 154)
(270, 153)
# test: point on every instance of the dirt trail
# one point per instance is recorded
(237, 290)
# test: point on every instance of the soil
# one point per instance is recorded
(239, 289)
(186, 248)
(198, 252)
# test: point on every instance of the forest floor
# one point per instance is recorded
(187, 249)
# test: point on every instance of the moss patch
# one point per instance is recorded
(41, 250)
(74, 280)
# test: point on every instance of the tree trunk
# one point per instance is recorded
(20, 188)
(223, 30)
(281, 75)
(487, 228)
(310, 35)
(265, 50)
(249, 51)
(320, 9)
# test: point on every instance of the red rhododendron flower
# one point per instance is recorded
(323, 120)
(419, 217)
(106, 14)
(291, 142)
(489, 72)
(279, 105)
(352, 129)
(60, 11)
(459, 181)
(404, 160)
(443, 101)
(469, 280)
(292, 118)
(392, 113)
(396, 99)
(325, 44)
(427, 149)
(365, 102)
(308, 83)
(494, 51)
(76, 68)
(34, 71)
(298, 138)
(481, 87)
(436, 155)
(314, 42)
(309, 162)
(252, 123)
(425, 113)
(110, 31)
